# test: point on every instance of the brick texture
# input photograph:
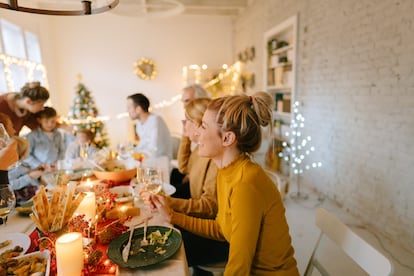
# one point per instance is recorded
(355, 76)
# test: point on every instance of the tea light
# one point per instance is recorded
(69, 254)
(87, 207)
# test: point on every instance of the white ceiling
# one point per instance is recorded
(147, 8)
(163, 8)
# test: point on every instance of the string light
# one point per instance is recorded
(298, 150)
(30, 67)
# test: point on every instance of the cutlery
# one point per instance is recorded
(127, 248)
(144, 241)
(96, 165)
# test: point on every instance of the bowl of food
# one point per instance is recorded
(116, 171)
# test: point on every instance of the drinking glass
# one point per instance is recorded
(153, 182)
(7, 201)
(84, 151)
(4, 136)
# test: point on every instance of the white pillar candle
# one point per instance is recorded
(69, 254)
(87, 207)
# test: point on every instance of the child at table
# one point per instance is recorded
(46, 144)
(24, 180)
(83, 142)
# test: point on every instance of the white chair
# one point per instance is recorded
(358, 250)
(280, 183)
(176, 140)
(215, 268)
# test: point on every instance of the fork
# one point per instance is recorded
(144, 241)
(127, 248)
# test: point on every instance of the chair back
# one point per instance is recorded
(361, 252)
(175, 145)
(280, 184)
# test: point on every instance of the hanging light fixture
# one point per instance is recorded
(60, 7)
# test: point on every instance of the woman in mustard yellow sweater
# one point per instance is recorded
(251, 215)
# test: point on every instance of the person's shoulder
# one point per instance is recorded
(34, 132)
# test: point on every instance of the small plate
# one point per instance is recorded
(125, 193)
(19, 239)
(45, 254)
(168, 188)
(149, 257)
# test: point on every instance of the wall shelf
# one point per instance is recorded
(280, 81)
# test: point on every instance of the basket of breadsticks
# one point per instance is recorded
(54, 214)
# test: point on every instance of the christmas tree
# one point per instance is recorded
(83, 114)
(298, 149)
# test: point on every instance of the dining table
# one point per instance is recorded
(175, 265)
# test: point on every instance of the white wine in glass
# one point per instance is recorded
(153, 181)
(7, 201)
(84, 151)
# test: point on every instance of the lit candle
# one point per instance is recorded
(69, 254)
(87, 207)
(89, 183)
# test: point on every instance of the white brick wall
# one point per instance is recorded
(356, 79)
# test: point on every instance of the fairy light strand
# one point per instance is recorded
(298, 150)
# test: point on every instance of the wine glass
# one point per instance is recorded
(153, 182)
(4, 136)
(84, 151)
(7, 201)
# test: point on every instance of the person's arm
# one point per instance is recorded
(246, 216)
(208, 228)
(206, 205)
(31, 159)
(8, 155)
(184, 152)
(20, 177)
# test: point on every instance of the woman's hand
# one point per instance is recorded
(8, 155)
(158, 202)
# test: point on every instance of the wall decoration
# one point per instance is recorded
(252, 53)
(248, 54)
(145, 69)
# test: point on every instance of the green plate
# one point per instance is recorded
(149, 257)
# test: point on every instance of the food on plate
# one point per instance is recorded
(23, 266)
(156, 237)
(5, 243)
(157, 243)
(53, 216)
(11, 253)
(114, 166)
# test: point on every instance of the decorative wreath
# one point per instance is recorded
(145, 69)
